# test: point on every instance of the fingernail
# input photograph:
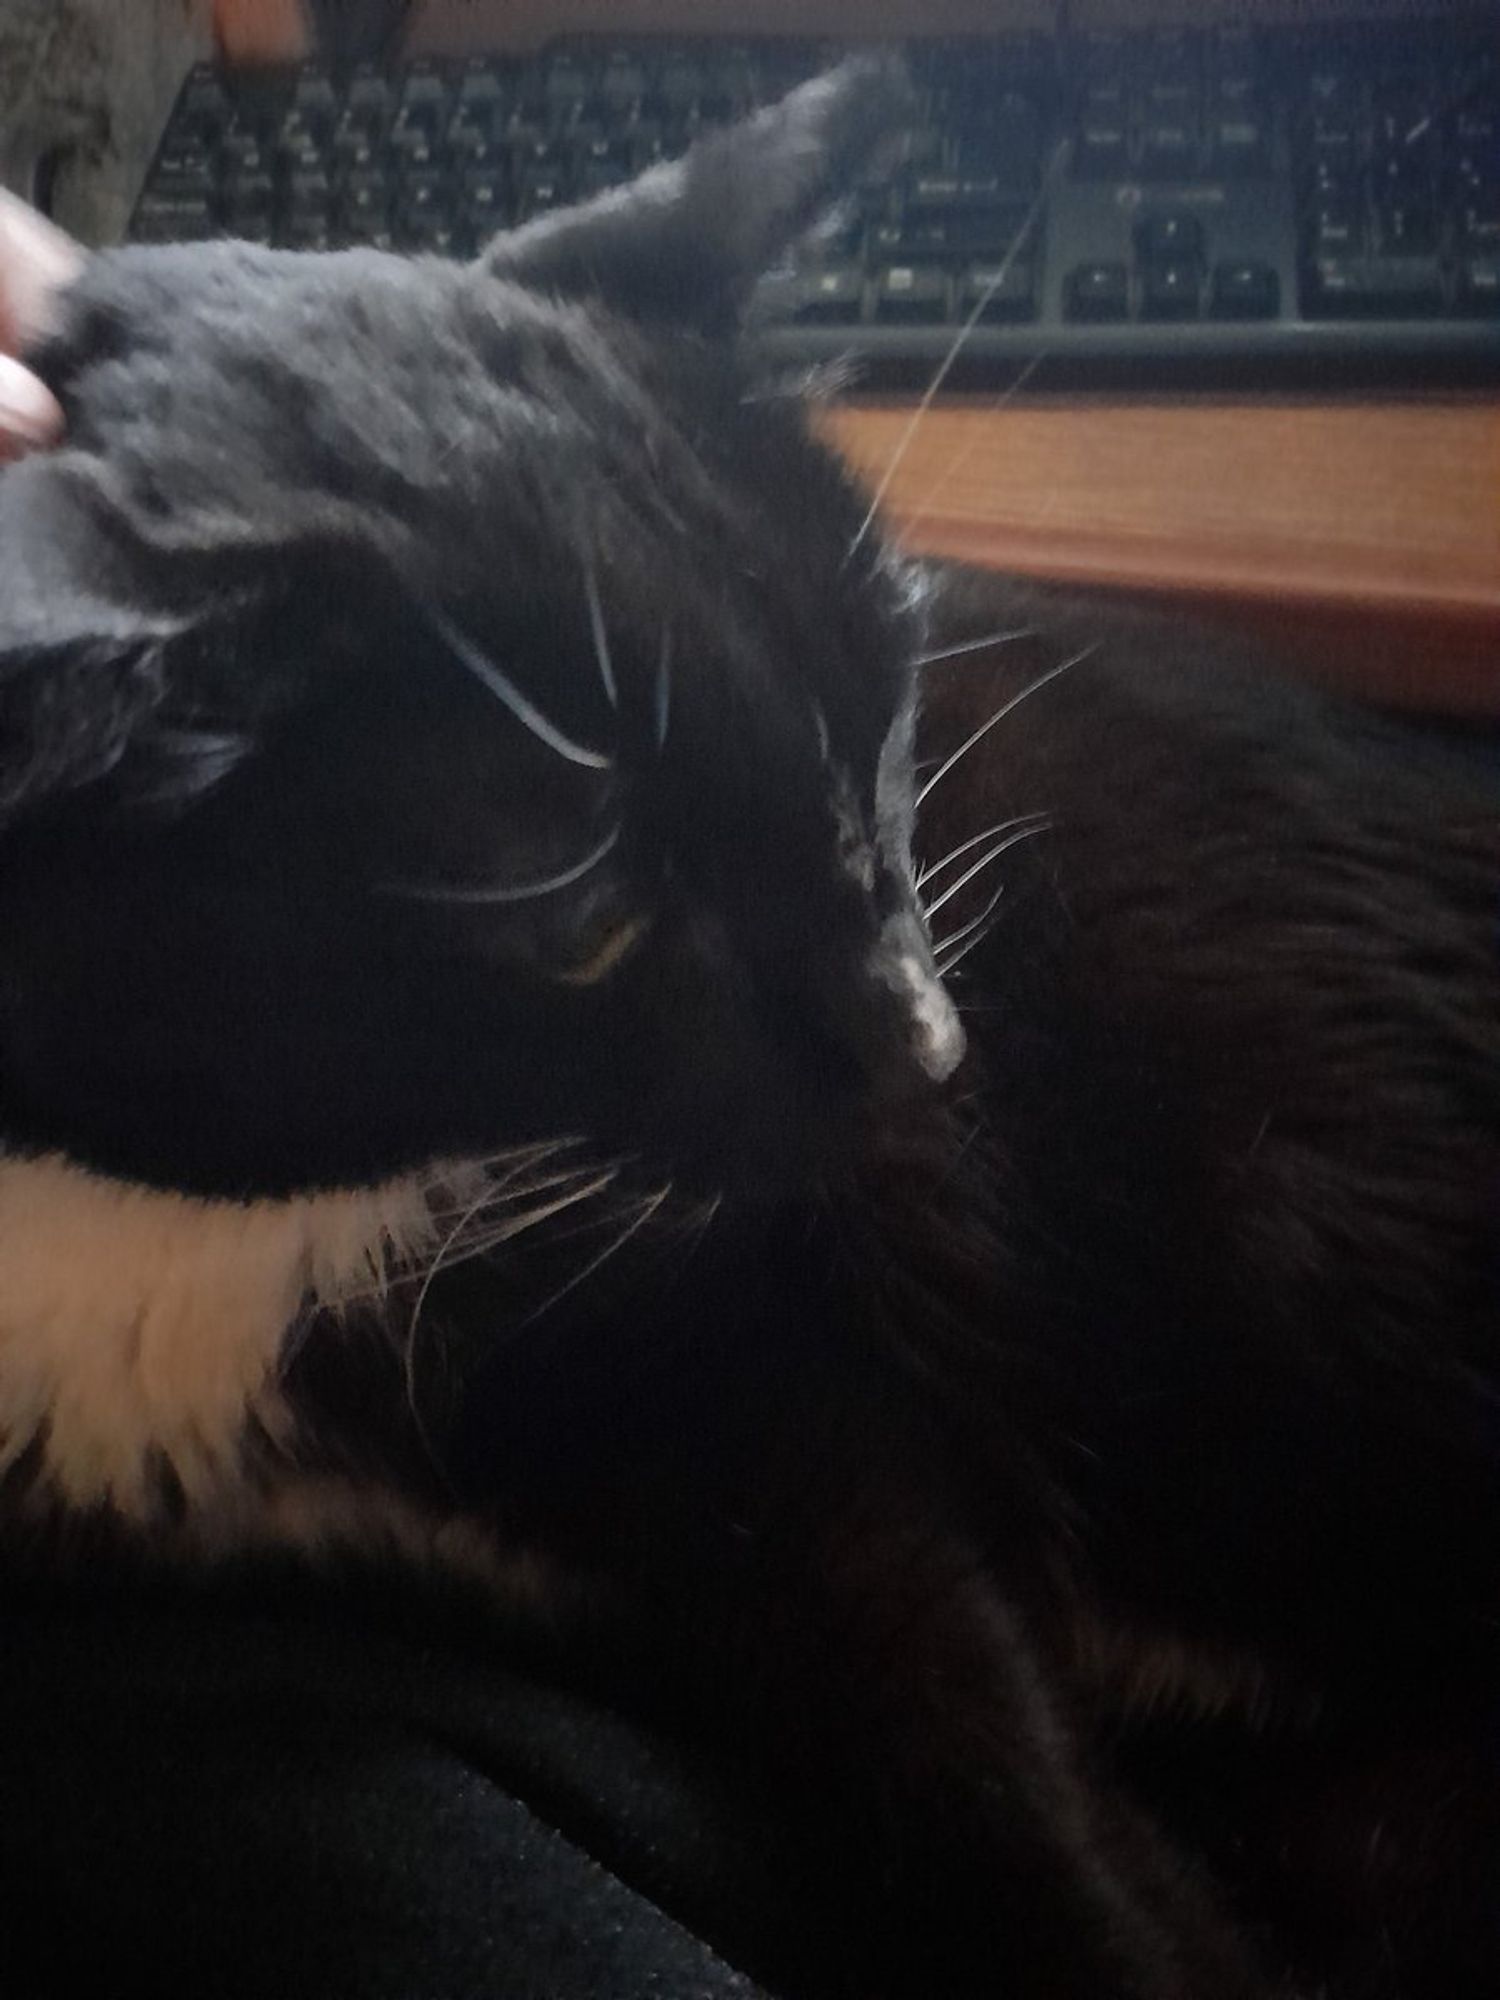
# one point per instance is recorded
(29, 413)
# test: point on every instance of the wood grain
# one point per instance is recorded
(1358, 502)
(1362, 539)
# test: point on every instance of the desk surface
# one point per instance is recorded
(1355, 502)
(1364, 535)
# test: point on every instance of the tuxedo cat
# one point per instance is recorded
(478, 1086)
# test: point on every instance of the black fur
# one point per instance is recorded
(1164, 1334)
(218, 640)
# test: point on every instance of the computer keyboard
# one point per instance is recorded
(1237, 203)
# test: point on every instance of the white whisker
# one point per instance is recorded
(1005, 709)
(972, 437)
(414, 1323)
(449, 1255)
(601, 636)
(957, 937)
(975, 646)
(505, 690)
(1002, 826)
(503, 1192)
(485, 1240)
(950, 962)
(642, 1216)
(994, 853)
(514, 893)
(981, 306)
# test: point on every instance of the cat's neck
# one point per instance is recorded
(141, 1330)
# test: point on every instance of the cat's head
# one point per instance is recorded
(445, 707)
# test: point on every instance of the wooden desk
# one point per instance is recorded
(1364, 535)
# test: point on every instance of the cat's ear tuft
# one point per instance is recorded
(686, 243)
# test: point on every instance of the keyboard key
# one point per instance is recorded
(1171, 289)
(480, 90)
(204, 97)
(1170, 233)
(925, 190)
(368, 100)
(1338, 227)
(242, 151)
(833, 296)
(425, 193)
(1102, 148)
(161, 218)
(1392, 286)
(1234, 60)
(942, 238)
(309, 192)
(304, 232)
(1008, 290)
(247, 202)
(1098, 292)
(1244, 290)
(314, 97)
(540, 189)
(1479, 221)
(623, 82)
(365, 204)
(565, 86)
(1238, 141)
(485, 206)
(424, 83)
(1169, 147)
(911, 293)
(185, 172)
(1408, 228)
(680, 82)
(1479, 284)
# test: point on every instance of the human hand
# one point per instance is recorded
(36, 262)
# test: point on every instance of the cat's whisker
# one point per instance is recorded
(944, 954)
(521, 707)
(984, 861)
(449, 1254)
(948, 964)
(970, 443)
(532, 1149)
(644, 1213)
(983, 645)
(663, 688)
(1006, 708)
(963, 847)
(503, 1193)
(980, 308)
(601, 636)
(463, 1249)
(493, 1194)
(436, 892)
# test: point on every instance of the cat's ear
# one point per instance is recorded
(686, 242)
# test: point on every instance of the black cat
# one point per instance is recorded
(458, 790)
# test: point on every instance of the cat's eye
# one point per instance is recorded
(604, 951)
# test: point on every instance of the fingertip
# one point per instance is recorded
(30, 416)
(37, 261)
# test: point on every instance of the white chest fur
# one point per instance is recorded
(135, 1322)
